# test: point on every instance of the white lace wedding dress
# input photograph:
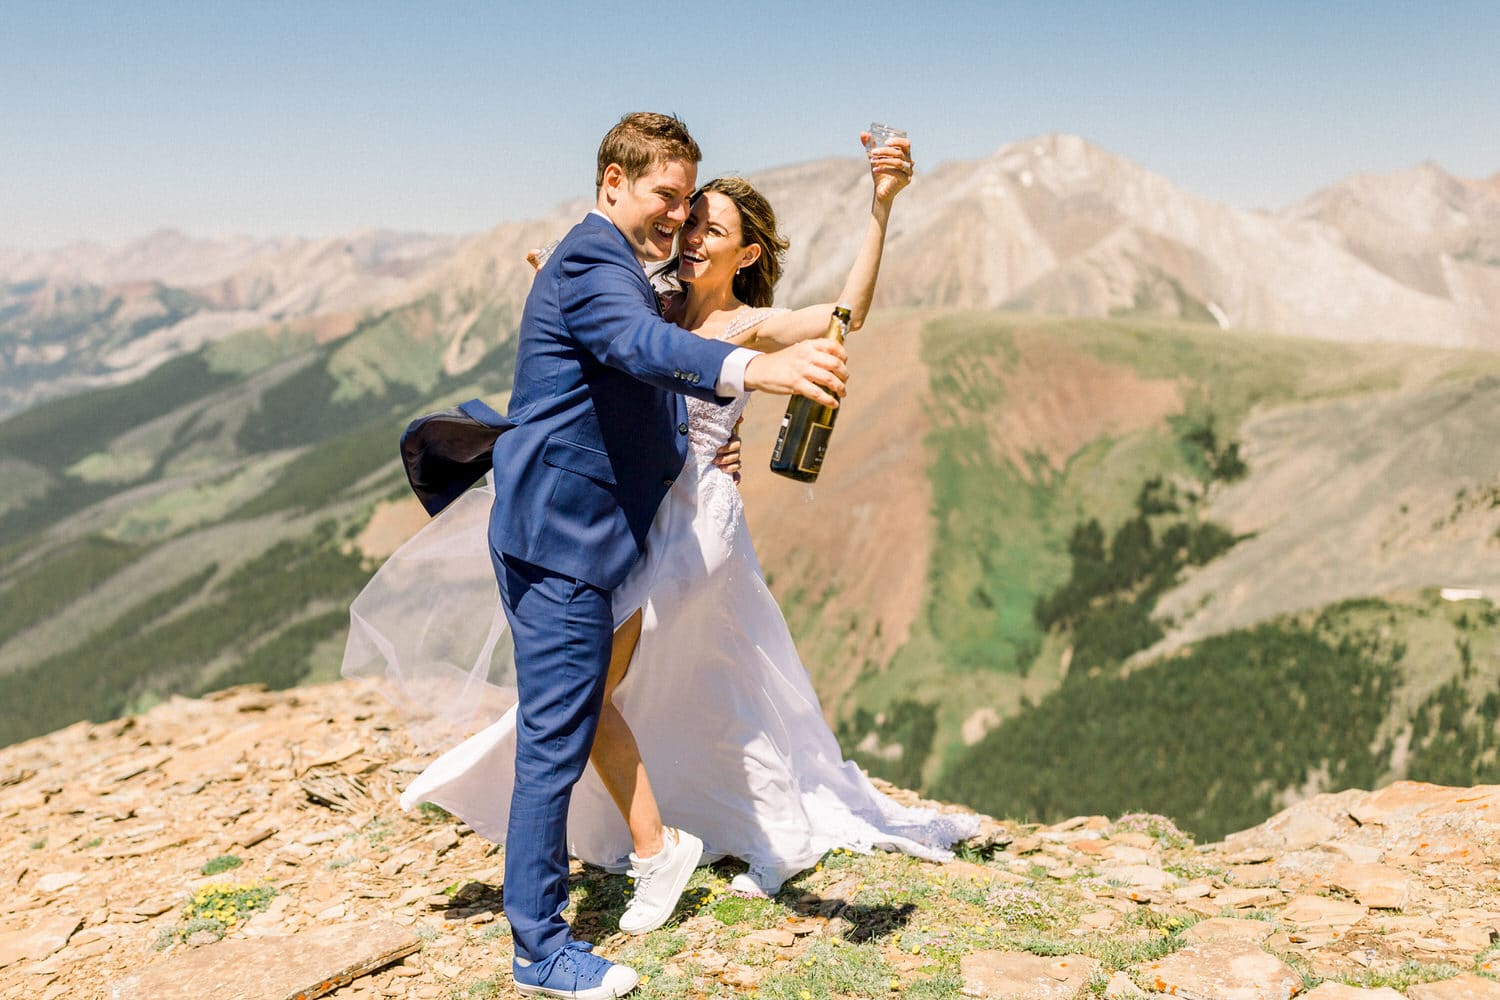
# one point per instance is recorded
(723, 711)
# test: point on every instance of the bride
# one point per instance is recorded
(706, 689)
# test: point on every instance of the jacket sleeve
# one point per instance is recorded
(604, 305)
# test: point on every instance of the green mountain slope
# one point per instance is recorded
(191, 529)
(1008, 505)
(1061, 482)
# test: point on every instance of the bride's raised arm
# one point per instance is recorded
(890, 169)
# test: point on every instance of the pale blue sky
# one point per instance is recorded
(318, 118)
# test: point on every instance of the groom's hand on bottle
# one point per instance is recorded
(813, 368)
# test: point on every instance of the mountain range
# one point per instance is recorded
(1052, 224)
(1114, 458)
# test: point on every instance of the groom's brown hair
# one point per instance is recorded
(642, 139)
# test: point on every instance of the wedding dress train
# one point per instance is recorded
(723, 711)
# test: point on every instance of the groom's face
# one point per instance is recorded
(650, 209)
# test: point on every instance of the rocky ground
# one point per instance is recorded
(249, 845)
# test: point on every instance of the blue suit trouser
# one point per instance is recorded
(562, 629)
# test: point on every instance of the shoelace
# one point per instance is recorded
(639, 881)
(566, 954)
(643, 878)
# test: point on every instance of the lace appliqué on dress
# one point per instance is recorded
(710, 425)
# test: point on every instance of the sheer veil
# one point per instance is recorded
(429, 628)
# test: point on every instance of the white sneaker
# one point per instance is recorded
(659, 881)
(758, 883)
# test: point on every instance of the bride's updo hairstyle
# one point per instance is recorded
(754, 284)
(641, 140)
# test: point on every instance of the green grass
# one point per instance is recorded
(832, 968)
(223, 863)
(738, 911)
(219, 906)
(1405, 975)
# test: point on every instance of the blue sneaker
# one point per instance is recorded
(575, 973)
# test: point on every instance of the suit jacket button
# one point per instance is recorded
(666, 482)
(682, 428)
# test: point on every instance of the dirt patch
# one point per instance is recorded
(867, 522)
(1346, 498)
(393, 522)
(978, 724)
(326, 328)
(1056, 399)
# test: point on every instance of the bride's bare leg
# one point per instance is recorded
(617, 758)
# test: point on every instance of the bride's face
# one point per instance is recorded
(710, 249)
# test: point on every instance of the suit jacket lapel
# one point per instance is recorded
(604, 223)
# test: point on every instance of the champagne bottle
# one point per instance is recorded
(803, 439)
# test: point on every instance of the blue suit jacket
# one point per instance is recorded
(600, 428)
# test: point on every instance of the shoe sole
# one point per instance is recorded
(592, 993)
(678, 884)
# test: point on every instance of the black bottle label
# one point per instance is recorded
(817, 445)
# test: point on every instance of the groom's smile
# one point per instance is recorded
(650, 209)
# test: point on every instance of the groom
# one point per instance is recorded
(600, 432)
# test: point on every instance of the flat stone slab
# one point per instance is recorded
(1403, 800)
(53, 881)
(1253, 876)
(1465, 987)
(1338, 991)
(1223, 970)
(1379, 887)
(1011, 975)
(37, 942)
(1142, 877)
(306, 965)
(1122, 987)
(1228, 929)
(1322, 912)
(1304, 830)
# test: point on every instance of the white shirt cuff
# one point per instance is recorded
(732, 375)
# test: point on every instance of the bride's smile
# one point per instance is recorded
(711, 248)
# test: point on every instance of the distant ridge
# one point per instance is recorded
(1055, 224)
(1051, 224)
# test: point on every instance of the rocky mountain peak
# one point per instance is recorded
(1422, 201)
(249, 845)
(1489, 185)
(1063, 156)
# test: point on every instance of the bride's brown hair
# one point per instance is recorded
(754, 284)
